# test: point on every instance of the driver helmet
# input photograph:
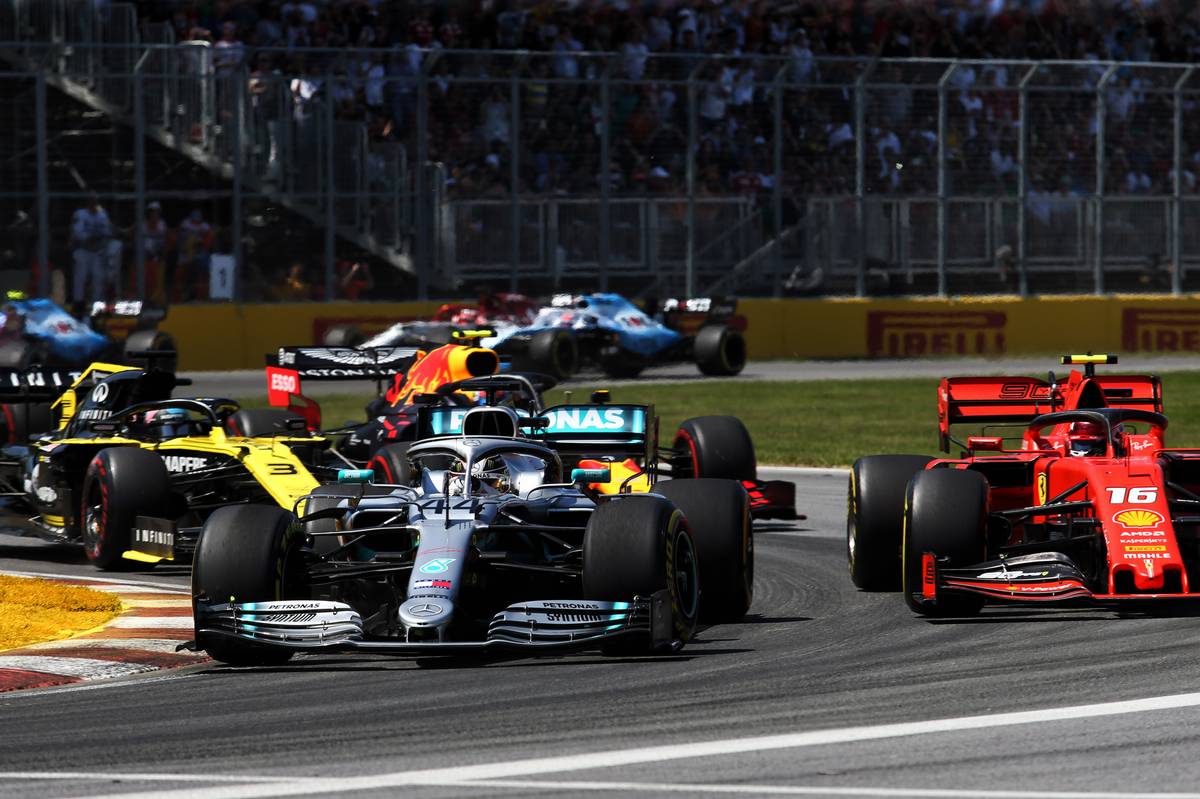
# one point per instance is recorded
(1087, 439)
(168, 423)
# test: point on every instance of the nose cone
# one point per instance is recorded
(426, 612)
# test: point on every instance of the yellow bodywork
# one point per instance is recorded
(268, 459)
(619, 473)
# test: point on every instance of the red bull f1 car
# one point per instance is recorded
(1085, 502)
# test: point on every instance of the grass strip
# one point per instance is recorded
(33, 611)
(817, 423)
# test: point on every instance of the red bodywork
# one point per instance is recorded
(1125, 523)
(491, 308)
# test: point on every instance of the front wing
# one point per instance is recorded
(320, 625)
(1040, 577)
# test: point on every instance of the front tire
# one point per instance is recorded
(255, 422)
(945, 515)
(635, 546)
(390, 463)
(247, 553)
(554, 352)
(718, 517)
(121, 484)
(875, 518)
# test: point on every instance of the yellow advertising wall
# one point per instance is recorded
(237, 336)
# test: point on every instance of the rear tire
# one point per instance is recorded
(247, 553)
(20, 421)
(718, 516)
(22, 355)
(255, 422)
(635, 546)
(390, 463)
(121, 484)
(719, 351)
(343, 336)
(715, 446)
(875, 518)
(155, 341)
(945, 515)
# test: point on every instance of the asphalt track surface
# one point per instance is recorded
(253, 382)
(856, 697)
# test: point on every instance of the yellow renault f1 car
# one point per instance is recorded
(131, 473)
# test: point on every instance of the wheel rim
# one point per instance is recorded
(686, 583)
(94, 516)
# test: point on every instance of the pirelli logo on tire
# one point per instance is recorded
(906, 334)
(1160, 329)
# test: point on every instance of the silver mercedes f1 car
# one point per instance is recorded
(477, 542)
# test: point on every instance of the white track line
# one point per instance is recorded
(131, 585)
(167, 645)
(830, 470)
(88, 668)
(92, 776)
(464, 775)
(139, 684)
(153, 622)
(572, 786)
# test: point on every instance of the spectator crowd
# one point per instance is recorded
(738, 53)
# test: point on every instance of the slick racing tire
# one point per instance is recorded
(153, 341)
(719, 351)
(247, 553)
(875, 518)
(343, 336)
(623, 366)
(635, 546)
(714, 446)
(18, 422)
(255, 422)
(944, 514)
(22, 355)
(121, 484)
(718, 516)
(554, 352)
(390, 463)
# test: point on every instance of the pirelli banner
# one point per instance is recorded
(992, 326)
(226, 336)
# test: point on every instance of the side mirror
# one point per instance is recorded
(356, 475)
(600, 396)
(534, 423)
(426, 399)
(104, 426)
(591, 475)
(985, 443)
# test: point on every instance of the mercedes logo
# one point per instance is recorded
(426, 609)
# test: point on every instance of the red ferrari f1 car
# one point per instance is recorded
(1087, 504)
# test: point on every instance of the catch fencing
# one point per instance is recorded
(652, 174)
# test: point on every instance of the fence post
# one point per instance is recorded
(330, 184)
(1098, 205)
(239, 122)
(604, 250)
(514, 156)
(942, 187)
(860, 185)
(422, 217)
(1177, 187)
(43, 184)
(690, 244)
(139, 181)
(777, 185)
(1023, 182)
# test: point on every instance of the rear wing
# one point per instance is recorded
(34, 385)
(687, 316)
(344, 363)
(585, 429)
(1018, 400)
